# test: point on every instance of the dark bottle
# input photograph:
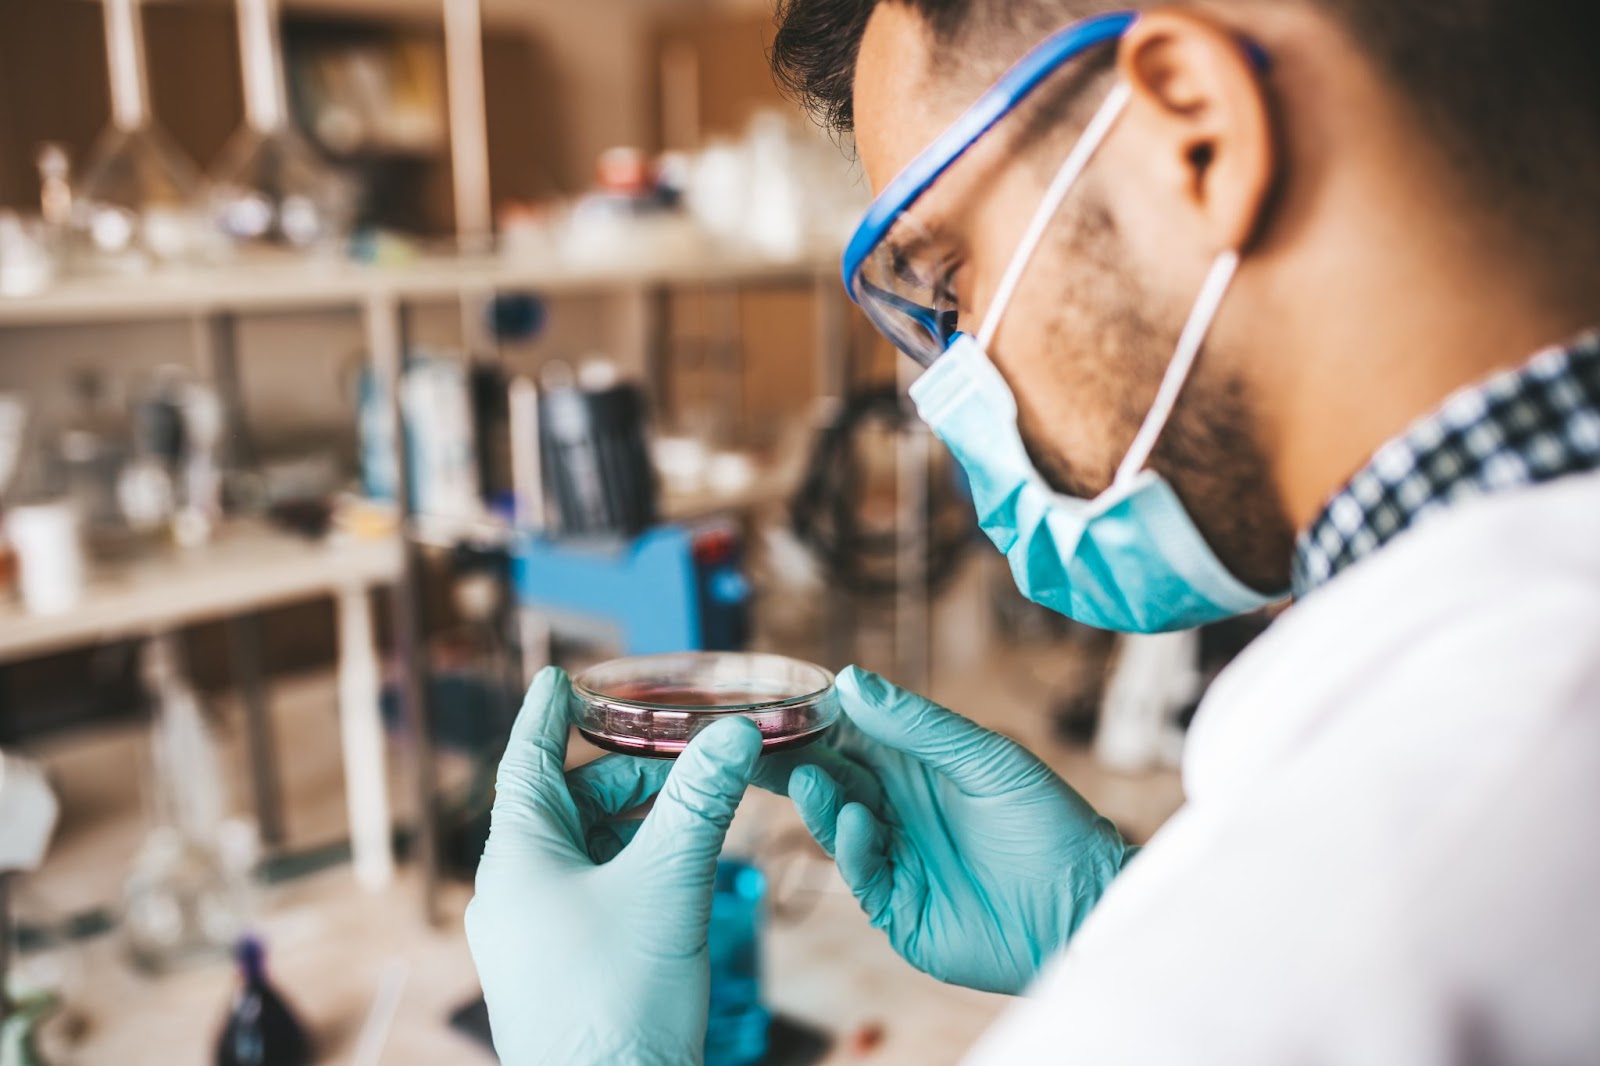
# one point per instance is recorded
(596, 459)
(261, 1030)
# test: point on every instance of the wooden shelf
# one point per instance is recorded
(247, 567)
(403, 9)
(288, 285)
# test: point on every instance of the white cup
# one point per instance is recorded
(49, 546)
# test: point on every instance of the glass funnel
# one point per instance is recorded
(270, 190)
(139, 204)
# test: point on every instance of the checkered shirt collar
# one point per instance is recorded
(1519, 428)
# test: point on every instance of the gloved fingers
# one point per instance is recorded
(694, 808)
(608, 839)
(533, 812)
(979, 761)
(775, 773)
(862, 853)
(607, 787)
(615, 784)
(819, 799)
(846, 738)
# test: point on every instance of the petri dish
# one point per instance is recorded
(653, 705)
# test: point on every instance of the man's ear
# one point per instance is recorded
(1200, 101)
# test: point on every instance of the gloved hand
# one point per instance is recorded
(589, 935)
(971, 854)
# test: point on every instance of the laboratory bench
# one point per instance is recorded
(330, 942)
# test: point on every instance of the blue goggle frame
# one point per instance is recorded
(920, 174)
(921, 330)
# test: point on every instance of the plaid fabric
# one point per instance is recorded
(1518, 428)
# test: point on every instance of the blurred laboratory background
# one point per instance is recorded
(360, 357)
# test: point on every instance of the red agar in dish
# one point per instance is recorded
(781, 729)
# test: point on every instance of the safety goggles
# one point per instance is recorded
(905, 292)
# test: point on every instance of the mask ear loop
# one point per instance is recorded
(1189, 343)
(1071, 170)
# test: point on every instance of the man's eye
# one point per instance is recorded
(944, 287)
(905, 269)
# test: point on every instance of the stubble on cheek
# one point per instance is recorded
(1093, 367)
(1066, 450)
(1211, 454)
(1086, 379)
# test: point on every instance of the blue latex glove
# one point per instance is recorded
(590, 935)
(976, 859)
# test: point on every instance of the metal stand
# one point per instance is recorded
(654, 315)
(727, 362)
(217, 342)
(913, 608)
(217, 345)
(831, 328)
(244, 634)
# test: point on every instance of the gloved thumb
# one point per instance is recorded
(691, 815)
(977, 760)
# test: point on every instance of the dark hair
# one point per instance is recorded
(814, 52)
(1509, 89)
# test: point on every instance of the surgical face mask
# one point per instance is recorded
(1131, 559)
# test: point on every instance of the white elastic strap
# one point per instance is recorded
(1065, 179)
(1194, 335)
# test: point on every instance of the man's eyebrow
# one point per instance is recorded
(911, 238)
(908, 240)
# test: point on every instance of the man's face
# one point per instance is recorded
(1090, 331)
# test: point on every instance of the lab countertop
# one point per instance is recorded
(330, 943)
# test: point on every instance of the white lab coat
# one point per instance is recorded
(1391, 848)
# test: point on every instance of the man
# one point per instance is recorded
(1296, 294)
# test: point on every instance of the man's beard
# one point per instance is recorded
(1210, 450)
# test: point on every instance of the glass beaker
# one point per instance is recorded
(270, 190)
(139, 204)
(654, 704)
(27, 260)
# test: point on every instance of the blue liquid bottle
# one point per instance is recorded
(736, 1034)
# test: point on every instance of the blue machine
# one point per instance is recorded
(668, 589)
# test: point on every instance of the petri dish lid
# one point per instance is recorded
(707, 682)
(654, 704)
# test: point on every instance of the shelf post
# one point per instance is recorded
(125, 59)
(469, 130)
(366, 784)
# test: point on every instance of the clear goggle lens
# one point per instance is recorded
(904, 287)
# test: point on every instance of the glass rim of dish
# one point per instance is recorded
(593, 695)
